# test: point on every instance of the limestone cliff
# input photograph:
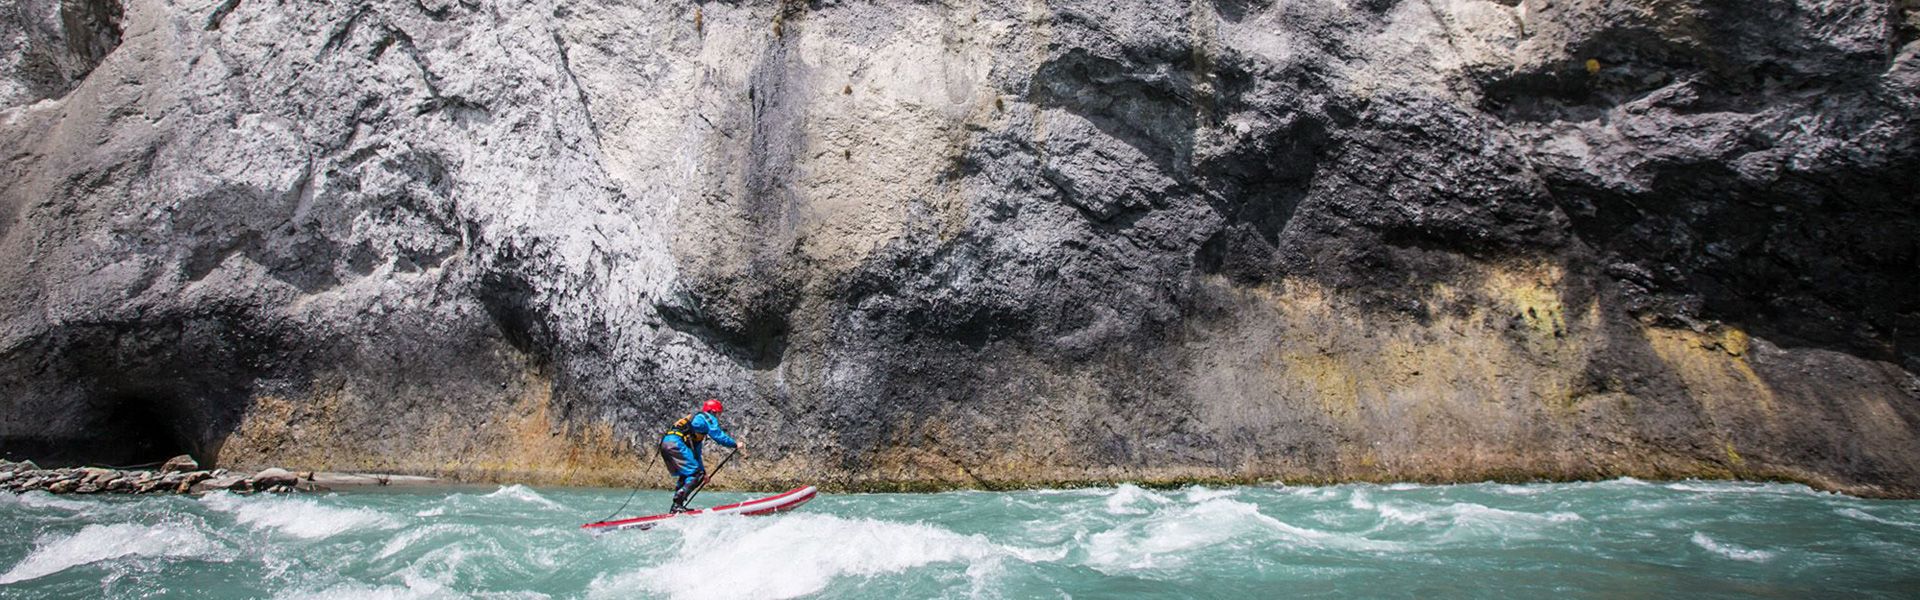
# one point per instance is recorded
(975, 242)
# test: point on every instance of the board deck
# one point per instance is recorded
(783, 502)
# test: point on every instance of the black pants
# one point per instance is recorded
(686, 469)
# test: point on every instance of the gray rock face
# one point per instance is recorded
(994, 243)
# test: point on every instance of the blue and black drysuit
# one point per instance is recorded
(680, 448)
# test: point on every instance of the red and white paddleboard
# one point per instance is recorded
(763, 506)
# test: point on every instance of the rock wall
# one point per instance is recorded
(972, 243)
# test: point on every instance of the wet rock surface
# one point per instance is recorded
(992, 244)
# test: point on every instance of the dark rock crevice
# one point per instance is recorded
(516, 311)
(220, 13)
(92, 30)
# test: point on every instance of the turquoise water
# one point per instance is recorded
(1621, 538)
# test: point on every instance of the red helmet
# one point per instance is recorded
(712, 405)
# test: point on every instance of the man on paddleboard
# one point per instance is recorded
(680, 448)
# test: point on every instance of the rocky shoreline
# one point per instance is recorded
(181, 475)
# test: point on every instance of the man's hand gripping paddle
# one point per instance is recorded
(716, 473)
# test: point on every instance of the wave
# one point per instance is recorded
(361, 591)
(411, 590)
(1459, 512)
(1861, 515)
(798, 554)
(1314, 493)
(1741, 487)
(1170, 538)
(42, 499)
(298, 517)
(1197, 494)
(96, 543)
(1360, 501)
(1730, 550)
(1127, 499)
(1455, 520)
(413, 536)
(521, 493)
(508, 496)
(1508, 489)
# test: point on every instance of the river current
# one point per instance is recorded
(1622, 538)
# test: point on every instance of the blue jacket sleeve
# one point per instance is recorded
(706, 424)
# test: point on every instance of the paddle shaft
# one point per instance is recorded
(716, 472)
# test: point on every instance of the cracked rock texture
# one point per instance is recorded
(969, 243)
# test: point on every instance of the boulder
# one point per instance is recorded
(274, 476)
(180, 463)
(63, 486)
(97, 476)
(223, 482)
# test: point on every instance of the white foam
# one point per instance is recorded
(360, 591)
(1127, 499)
(796, 555)
(521, 493)
(1470, 512)
(1169, 539)
(1718, 487)
(412, 589)
(1507, 489)
(1855, 513)
(1313, 493)
(1198, 494)
(298, 517)
(1359, 500)
(42, 499)
(95, 543)
(1730, 550)
(410, 537)
(1462, 521)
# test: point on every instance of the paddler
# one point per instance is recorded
(680, 448)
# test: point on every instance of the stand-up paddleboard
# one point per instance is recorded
(764, 506)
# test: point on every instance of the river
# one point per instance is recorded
(1621, 538)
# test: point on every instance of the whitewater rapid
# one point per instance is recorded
(1622, 537)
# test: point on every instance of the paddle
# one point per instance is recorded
(716, 472)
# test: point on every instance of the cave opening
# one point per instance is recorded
(137, 430)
